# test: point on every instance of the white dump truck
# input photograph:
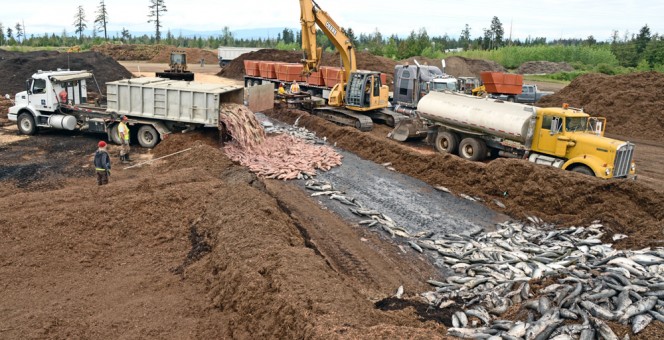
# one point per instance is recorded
(226, 54)
(475, 128)
(155, 107)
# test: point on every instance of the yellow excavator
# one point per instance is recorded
(360, 96)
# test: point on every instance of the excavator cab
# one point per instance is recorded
(365, 91)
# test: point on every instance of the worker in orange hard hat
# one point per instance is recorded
(123, 134)
(102, 162)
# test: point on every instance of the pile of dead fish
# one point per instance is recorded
(579, 282)
(281, 156)
(295, 131)
(242, 125)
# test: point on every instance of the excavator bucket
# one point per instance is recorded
(409, 128)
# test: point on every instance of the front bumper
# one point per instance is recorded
(12, 117)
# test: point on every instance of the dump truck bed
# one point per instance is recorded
(173, 100)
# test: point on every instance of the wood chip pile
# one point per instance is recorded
(279, 156)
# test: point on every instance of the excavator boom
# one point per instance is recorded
(311, 15)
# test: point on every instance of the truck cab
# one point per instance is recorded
(39, 104)
(412, 82)
(530, 94)
(571, 139)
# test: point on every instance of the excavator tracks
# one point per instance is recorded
(362, 121)
(341, 116)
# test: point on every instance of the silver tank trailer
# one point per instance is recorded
(506, 120)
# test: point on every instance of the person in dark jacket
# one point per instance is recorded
(102, 164)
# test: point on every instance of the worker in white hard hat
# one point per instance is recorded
(295, 87)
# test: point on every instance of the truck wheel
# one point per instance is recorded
(472, 149)
(447, 142)
(147, 136)
(510, 99)
(114, 137)
(26, 124)
(582, 169)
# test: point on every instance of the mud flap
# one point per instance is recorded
(408, 128)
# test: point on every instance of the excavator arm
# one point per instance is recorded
(311, 15)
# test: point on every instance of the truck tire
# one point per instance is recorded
(113, 136)
(472, 149)
(510, 99)
(582, 169)
(447, 142)
(26, 124)
(148, 136)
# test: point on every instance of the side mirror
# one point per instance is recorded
(554, 126)
(7, 96)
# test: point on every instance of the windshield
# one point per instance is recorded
(576, 124)
(444, 86)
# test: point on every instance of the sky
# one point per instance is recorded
(552, 19)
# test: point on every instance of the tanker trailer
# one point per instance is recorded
(476, 128)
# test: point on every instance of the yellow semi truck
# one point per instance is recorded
(475, 128)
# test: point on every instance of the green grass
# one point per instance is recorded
(513, 56)
(546, 78)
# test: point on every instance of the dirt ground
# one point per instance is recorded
(544, 67)
(190, 247)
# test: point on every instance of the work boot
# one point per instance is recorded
(127, 158)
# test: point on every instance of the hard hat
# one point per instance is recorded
(124, 118)
(102, 144)
(281, 84)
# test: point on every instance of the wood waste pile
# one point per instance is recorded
(282, 156)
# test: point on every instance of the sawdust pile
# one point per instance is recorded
(466, 67)
(632, 103)
(544, 67)
(281, 156)
(154, 53)
(526, 189)
(16, 67)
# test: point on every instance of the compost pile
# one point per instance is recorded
(281, 156)
(632, 103)
(544, 67)
(466, 67)
(365, 61)
(154, 53)
(16, 67)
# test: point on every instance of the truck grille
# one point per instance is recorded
(623, 160)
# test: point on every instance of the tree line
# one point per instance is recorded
(643, 49)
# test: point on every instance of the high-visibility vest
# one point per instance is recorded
(123, 128)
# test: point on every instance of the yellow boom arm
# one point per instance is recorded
(312, 15)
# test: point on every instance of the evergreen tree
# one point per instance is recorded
(2, 34)
(102, 19)
(464, 39)
(157, 10)
(19, 32)
(497, 33)
(80, 22)
(642, 39)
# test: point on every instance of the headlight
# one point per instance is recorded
(607, 171)
(633, 167)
